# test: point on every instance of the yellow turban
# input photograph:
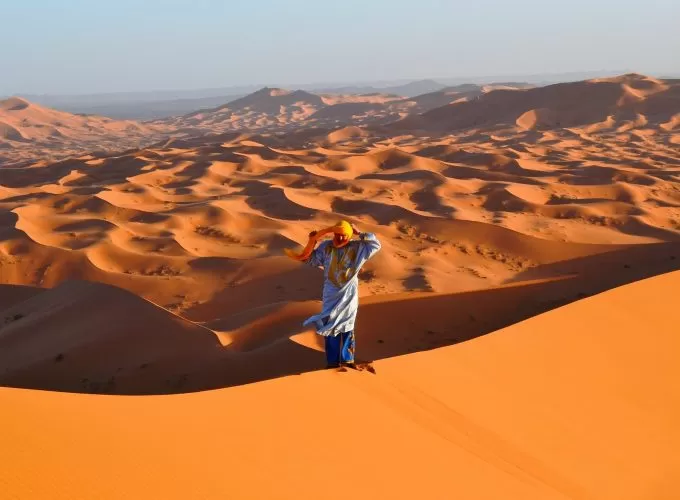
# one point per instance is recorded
(343, 228)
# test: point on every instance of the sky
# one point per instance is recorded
(92, 46)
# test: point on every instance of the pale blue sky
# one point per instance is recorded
(87, 46)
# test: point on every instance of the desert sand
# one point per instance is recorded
(150, 324)
(580, 402)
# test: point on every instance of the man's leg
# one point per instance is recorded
(332, 345)
(348, 346)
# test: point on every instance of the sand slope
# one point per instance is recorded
(94, 338)
(578, 403)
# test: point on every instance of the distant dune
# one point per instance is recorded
(457, 94)
(278, 109)
(29, 132)
(606, 102)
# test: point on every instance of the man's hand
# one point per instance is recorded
(312, 234)
(355, 231)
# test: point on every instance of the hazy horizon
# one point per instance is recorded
(79, 47)
(251, 87)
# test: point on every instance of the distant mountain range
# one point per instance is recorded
(274, 108)
(163, 104)
(410, 89)
(151, 105)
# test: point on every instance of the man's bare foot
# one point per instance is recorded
(361, 366)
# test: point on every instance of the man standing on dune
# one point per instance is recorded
(341, 259)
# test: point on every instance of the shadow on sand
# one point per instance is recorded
(160, 353)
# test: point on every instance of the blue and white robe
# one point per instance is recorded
(341, 282)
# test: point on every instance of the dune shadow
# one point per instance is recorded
(466, 173)
(408, 323)
(611, 269)
(272, 201)
(296, 285)
(8, 219)
(383, 213)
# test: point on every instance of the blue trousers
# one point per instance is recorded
(340, 349)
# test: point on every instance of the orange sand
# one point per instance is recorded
(160, 271)
(581, 402)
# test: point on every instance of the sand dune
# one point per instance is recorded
(537, 410)
(615, 101)
(29, 132)
(279, 109)
(458, 94)
(160, 270)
